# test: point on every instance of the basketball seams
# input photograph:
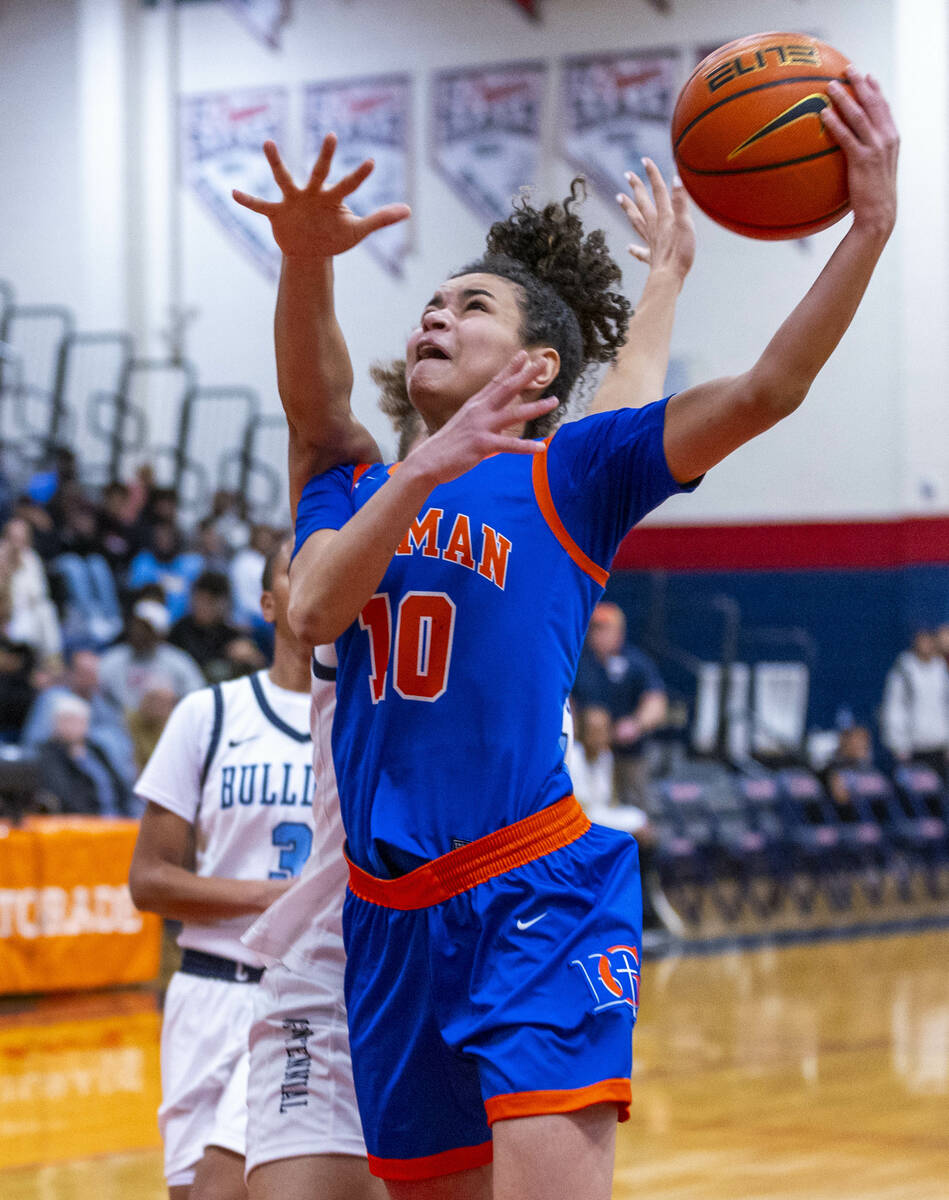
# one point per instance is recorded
(759, 87)
(789, 162)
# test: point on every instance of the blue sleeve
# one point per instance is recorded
(326, 503)
(606, 472)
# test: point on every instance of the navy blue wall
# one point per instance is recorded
(859, 620)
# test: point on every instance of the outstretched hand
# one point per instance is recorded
(313, 221)
(664, 222)
(489, 423)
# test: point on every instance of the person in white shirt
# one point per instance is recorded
(915, 715)
(146, 661)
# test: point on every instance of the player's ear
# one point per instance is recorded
(267, 607)
(547, 361)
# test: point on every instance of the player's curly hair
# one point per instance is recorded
(568, 282)
(395, 403)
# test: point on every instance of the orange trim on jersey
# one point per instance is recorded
(359, 471)
(464, 868)
(545, 502)
(432, 1165)
(540, 1104)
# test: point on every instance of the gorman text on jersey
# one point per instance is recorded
(433, 537)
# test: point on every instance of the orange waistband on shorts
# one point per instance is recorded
(464, 868)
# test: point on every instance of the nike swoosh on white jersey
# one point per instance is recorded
(532, 921)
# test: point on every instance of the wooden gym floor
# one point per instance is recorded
(813, 1072)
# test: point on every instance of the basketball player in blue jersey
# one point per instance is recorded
(289, 1152)
(492, 979)
(229, 824)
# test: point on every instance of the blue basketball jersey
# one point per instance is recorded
(451, 684)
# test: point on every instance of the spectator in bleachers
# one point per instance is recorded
(146, 662)
(17, 692)
(618, 677)
(220, 649)
(108, 730)
(229, 520)
(46, 540)
(6, 499)
(915, 715)
(854, 751)
(214, 551)
(591, 766)
(165, 561)
(27, 613)
(148, 720)
(590, 761)
(118, 532)
(247, 570)
(79, 531)
(74, 771)
(155, 505)
(942, 639)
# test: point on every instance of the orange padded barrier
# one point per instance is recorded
(66, 918)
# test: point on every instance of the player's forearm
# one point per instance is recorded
(179, 895)
(336, 573)
(314, 372)
(315, 376)
(790, 363)
(637, 376)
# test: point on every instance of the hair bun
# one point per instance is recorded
(550, 243)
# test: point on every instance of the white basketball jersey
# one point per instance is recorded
(303, 929)
(236, 762)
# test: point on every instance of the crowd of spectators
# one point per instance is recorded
(110, 611)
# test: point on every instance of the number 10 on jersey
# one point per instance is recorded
(421, 652)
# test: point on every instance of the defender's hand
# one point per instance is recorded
(314, 221)
(664, 222)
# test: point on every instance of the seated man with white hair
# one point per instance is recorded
(75, 775)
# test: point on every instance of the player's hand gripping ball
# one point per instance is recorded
(749, 139)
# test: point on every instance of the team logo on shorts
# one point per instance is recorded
(612, 976)
(296, 1075)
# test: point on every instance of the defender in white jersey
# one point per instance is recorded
(229, 824)
(304, 1137)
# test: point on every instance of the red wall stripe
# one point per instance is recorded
(813, 545)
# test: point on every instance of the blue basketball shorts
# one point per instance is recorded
(499, 981)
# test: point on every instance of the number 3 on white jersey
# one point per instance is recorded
(424, 632)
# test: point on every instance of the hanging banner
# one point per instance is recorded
(614, 110)
(221, 138)
(264, 18)
(371, 119)
(485, 132)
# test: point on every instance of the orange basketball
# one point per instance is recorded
(749, 140)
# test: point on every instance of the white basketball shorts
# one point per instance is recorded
(300, 1097)
(204, 1064)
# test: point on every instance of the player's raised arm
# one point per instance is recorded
(664, 223)
(708, 422)
(311, 225)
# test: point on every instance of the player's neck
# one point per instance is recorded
(291, 667)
